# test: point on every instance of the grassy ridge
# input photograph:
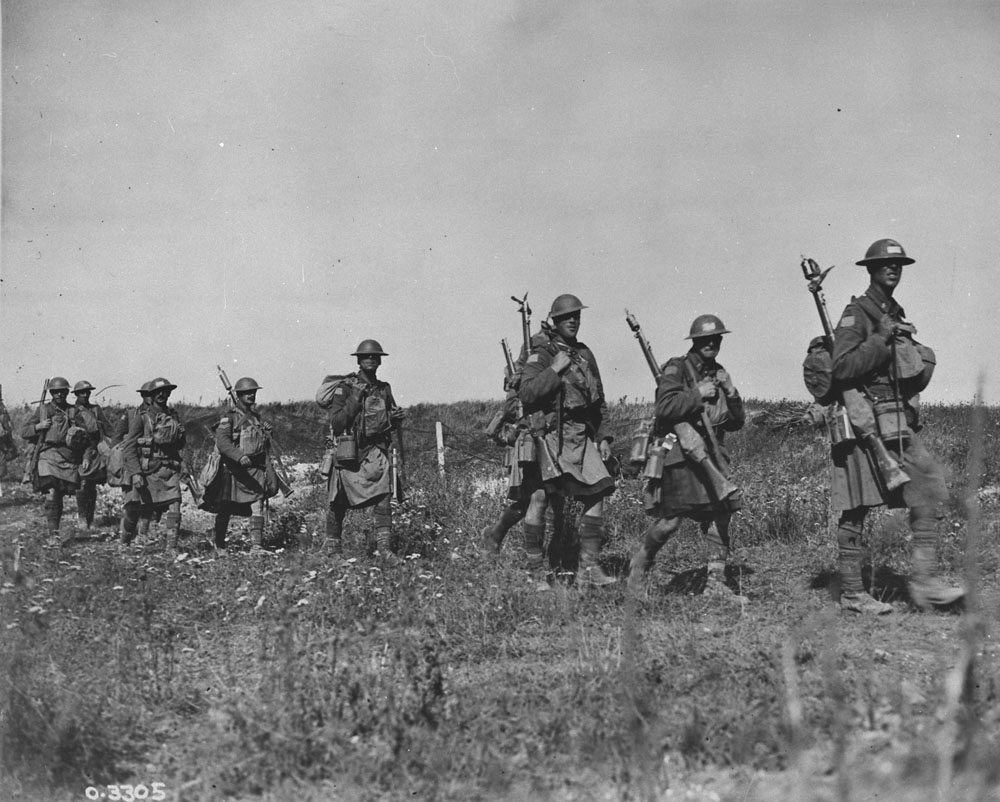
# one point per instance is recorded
(443, 678)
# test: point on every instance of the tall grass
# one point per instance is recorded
(441, 677)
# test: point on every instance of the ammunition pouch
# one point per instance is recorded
(253, 440)
(523, 447)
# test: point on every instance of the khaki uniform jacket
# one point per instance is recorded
(159, 462)
(241, 433)
(682, 491)
(566, 414)
(57, 461)
(362, 408)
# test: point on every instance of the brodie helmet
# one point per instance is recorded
(885, 250)
(246, 385)
(369, 348)
(58, 383)
(144, 390)
(706, 326)
(565, 305)
(82, 387)
(160, 384)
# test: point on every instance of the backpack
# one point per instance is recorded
(116, 466)
(817, 370)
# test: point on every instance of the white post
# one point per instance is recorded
(439, 429)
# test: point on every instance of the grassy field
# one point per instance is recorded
(293, 676)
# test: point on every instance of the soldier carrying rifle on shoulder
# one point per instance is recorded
(874, 354)
(359, 466)
(524, 480)
(239, 477)
(696, 404)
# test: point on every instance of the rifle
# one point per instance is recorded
(525, 312)
(858, 408)
(191, 484)
(690, 440)
(32, 464)
(396, 470)
(273, 453)
(508, 359)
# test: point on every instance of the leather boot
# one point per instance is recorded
(171, 530)
(716, 587)
(927, 588)
(863, 604)
(383, 543)
(489, 543)
(256, 534)
(639, 567)
(219, 530)
(53, 515)
(590, 571)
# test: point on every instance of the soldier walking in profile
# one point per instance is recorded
(524, 483)
(93, 468)
(563, 398)
(153, 460)
(245, 478)
(696, 391)
(363, 415)
(874, 352)
(58, 445)
(117, 472)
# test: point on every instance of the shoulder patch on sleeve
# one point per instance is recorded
(338, 391)
(532, 358)
(846, 320)
(671, 370)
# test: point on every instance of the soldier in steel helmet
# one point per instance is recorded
(93, 468)
(117, 473)
(694, 388)
(153, 457)
(363, 415)
(524, 482)
(60, 440)
(563, 398)
(245, 478)
(875, 352)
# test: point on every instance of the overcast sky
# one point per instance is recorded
(265, 184)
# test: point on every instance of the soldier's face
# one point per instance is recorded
(708, 347)
(161, 397)
(59, 397)
(568, 325)
(369, 362)
(83, 397)
(248, 398)
(886, 275)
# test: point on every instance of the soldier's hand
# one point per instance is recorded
(245, 461)
(707, 389)
(604, 449)
(138, 481)
(725, 382)
(397, 414)
(561, 362)
(329, 443)
(43, 425)
(886, 328)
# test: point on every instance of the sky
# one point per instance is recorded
(262, 185)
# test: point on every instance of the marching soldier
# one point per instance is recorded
(693, 388)
(363, 415)
(117, 473)
(874, 352)
(60, 441)
(153, 459)
(563, 397)
(524, 481)
(93, 469)
(245, 477)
